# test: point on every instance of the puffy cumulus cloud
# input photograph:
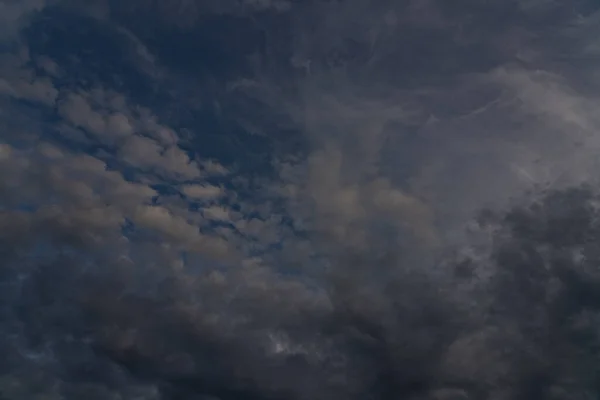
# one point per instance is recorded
(78, 192)
(19, 80)
(140, 140)
(142, 271)
(202, 192)
(75, 188)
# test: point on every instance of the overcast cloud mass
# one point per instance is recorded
(299, 200)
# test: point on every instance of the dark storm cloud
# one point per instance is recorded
(531, 335)
(414, 116)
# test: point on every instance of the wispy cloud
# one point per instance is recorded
(15, 14)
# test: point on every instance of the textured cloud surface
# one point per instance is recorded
(299, 200)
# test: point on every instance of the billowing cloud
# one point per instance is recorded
(410, 210)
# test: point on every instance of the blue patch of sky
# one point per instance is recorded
(91, 53)
(217, 49)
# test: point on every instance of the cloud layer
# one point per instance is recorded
(285, 200)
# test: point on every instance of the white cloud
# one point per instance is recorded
(39, 90)
(78, 111)
(148, 122)
(549, 97)
(141, 151)
(213, 168)
(73, 191)
(119, 124)
(216, 213)
(562, 138)
(113, 121)
(76, 193)
(177, 160)
(19, 81)
(49, 66)
(203, 192)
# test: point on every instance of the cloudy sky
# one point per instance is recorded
(284, 199)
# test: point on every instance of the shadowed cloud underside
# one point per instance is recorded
(290, 200)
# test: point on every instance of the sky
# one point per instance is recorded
(290, 200)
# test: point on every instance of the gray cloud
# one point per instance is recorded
(15, 14)
(333, 280)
